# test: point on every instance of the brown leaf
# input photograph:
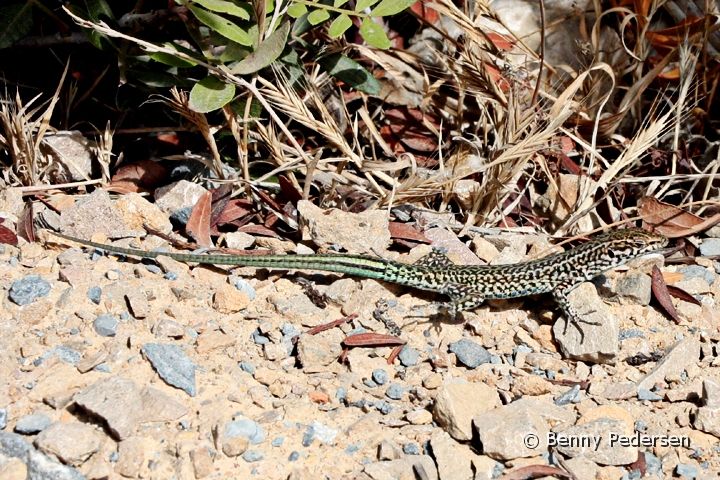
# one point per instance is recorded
(25, 227)
(372, 340)
(682, 295)
(220, 198)
(536, 471)
(259, 230)
(672, 221)
(143, 175)
(289, 190)
(660, 290)
(7, 236)
(234, 210)
(406, 232)
(639, 464)
(198, 225)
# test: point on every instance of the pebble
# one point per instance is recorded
(3, 418)
(408, 356)
(395, 391)
(247, 367)
(95, 294)
(645, 394)
(380, 376)
(470, 353)
(106, 325)
(686, 471)
(245, 287)
(253, 456)
(26, 290)
(172, 365)
(696, 271)
(411, 449)
(250, 429)
(710, 247)
(32, 424)
(571, 396)
(66, 354)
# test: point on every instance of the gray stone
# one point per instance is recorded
(32, 424)
(380, 376)
(26, 290)
(106, 325)
(686, 471)
(696, 271)
(470, 353)
(66, 354)
(250, 429)
(95, 294)
(710, 247)
(645, 394)
(3, 418)
(253, 456)
(172, 365)
(396, 391)
(409, 356)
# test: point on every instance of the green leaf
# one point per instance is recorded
(234, 52)
(172, 60)
(317, 17)
(350, 72)
(374, 34)
(222, 26)
(15, 23)
(266, 53)
(297, 10)
(211, 93)
(390, 7)
(363, 4)
(226, 6)
(339, 26)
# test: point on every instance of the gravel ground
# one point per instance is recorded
(117, 368)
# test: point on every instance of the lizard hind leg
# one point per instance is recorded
(462, 297)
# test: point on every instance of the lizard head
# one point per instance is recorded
(624, 245)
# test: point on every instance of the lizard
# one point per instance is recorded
(468, 286)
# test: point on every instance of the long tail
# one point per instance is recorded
(360, 265)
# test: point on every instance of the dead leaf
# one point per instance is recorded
(404, 231)
(682, 295)
(220, 198)
(672, 221)
(25, 227)
(7, 236)
(141, 176)
(259, 230)
(234, 210)
(660, 291)
(198, 225)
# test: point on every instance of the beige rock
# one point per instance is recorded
(229, 299)
(354, 232)
(72, 443)
(456, 404)
(136, 211)
(202, 462)
(131, 457)
(532, 385)
(682, 354)
(453, 459)
(419, 417)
